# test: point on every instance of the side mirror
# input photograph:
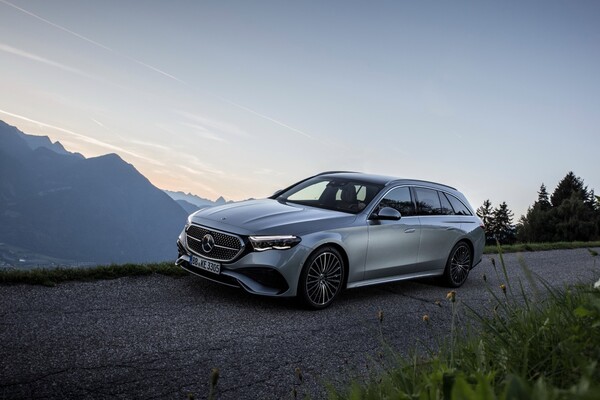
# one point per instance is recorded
(387, 213)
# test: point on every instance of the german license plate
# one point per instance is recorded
(206, 265)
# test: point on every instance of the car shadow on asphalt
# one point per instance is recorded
(212, 292)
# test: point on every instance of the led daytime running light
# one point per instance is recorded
(283, 242)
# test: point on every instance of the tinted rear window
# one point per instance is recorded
(428, 202)
(459, 207)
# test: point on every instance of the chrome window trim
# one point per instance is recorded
(410, 186)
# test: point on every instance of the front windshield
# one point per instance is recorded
(332, 193)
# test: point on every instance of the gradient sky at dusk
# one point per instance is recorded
(241, 98)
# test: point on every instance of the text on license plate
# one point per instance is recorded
(209, 266)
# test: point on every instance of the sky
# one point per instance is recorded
(242, 98)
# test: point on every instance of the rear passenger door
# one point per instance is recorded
(440, 228)
(393, 246)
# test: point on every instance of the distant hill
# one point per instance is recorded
(62, 205)
(198, 201)
(188, 207)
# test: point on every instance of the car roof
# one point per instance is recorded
(380, 179)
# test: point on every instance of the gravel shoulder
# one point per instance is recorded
(159, 337)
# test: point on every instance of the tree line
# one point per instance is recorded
(570, 213)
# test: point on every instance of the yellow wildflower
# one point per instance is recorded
(451, 296)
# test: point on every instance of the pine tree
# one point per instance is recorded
(567, 187)
(572, 213)
(486, 214)
(502, 228)
(543, 199)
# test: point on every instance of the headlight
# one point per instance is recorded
(262, 243)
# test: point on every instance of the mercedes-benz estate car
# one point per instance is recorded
(335, 231)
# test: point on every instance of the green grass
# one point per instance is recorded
(52, 276)
(544, 345)
(522, 247)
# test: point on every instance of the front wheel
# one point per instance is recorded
(458, 265)
(322, 278)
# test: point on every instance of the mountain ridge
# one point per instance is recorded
(98, 209)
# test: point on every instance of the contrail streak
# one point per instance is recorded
(62, 28)
(264, 116)
(56, 25)
(157, 70)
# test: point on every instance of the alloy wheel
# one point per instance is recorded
(459, 265)
(323, 279)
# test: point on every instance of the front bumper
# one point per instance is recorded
(267, 273)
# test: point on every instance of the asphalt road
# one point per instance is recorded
(159, 337)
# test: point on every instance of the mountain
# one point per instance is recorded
(187, 206)
(62, 205)
(35, 142)
(198, 201)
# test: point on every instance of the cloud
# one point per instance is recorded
(84, 138)
(201, 168)
(148, 144)
(203, 132)
(21, 53)
(155, 69)
(223, 127)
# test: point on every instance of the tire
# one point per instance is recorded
(458, 265)
(322, 278)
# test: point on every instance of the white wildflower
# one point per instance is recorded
(597, 285)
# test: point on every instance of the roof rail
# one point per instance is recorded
(435, 183)
(337, 172)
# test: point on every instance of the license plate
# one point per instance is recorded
(206, 265)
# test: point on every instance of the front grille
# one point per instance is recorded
(226, 247)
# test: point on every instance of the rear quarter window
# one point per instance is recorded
(458, 206)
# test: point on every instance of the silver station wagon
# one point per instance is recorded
(333, 231)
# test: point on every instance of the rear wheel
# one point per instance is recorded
(322, 278)
(458, 265)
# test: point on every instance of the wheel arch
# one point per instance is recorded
(469, 243)
(342, 252)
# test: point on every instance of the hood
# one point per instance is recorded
(270, 217)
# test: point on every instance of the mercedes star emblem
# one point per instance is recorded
(208, 243)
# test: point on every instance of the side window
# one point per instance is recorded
(446, 206)
(399, 199)
(428, 201)
(459, 207)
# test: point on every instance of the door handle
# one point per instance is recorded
(409, 230)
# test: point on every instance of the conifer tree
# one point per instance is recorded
(502, 228)
(571, 214)
(570, 185)
(543, 199)
(486, 214)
